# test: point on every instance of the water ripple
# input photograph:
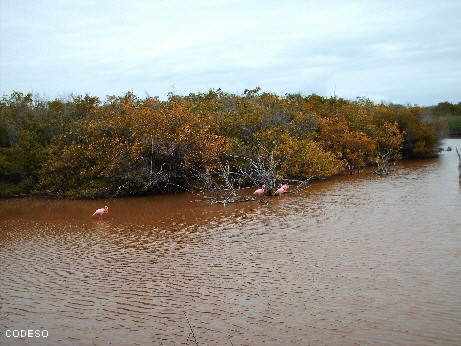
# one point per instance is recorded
(367, 260)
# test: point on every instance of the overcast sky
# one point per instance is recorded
(405, 51)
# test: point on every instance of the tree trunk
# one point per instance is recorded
(459, 163)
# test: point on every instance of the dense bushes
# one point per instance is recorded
(450, 113)
(82, 147)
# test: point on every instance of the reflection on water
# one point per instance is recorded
(368, 260)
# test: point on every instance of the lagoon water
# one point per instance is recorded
(351, 260)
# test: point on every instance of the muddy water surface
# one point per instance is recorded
(352, 260)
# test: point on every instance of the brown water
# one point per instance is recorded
(352, 260)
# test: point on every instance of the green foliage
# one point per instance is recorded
(450, 114)
(447, 108)
(130, 146)
(80, 147)
(420, 132)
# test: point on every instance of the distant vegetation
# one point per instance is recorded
(84, 147)
(449, 113)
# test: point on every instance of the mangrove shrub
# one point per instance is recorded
(83, 147)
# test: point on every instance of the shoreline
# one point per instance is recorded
(365, 171)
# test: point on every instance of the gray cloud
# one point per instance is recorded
(399, 51)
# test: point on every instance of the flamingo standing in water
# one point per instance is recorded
(282, 189)
(260, 191)
(101, 211)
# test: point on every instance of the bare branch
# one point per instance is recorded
(384, 160)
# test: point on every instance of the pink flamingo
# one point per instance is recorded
(101, 211)
(260, 191)
(282, 189)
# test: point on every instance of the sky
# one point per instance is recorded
(405, 51)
